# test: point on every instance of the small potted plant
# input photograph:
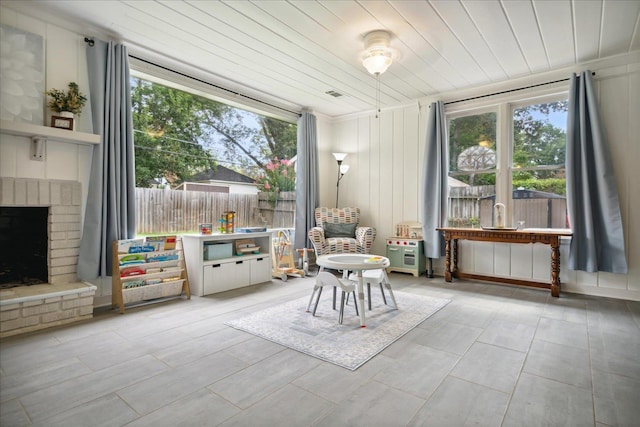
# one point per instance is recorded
(66, 104)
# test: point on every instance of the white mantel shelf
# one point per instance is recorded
(30, 130)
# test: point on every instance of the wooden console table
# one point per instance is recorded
(546, 236)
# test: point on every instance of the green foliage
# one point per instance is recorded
(72, 100)
(477, 179)
(548, 185)
(167, 134)
(538, 147)
(468, 131)
(281, 138)
(179, 134)
(537, 142)
(472, 222)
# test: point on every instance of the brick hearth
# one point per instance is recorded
(64, 299)
(30, 308)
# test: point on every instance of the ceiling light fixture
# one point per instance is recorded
(377, 57)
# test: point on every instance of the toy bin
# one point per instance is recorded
(213, 251)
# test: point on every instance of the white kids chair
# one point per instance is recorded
(325, 278)
(377, 276)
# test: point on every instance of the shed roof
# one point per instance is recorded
(221, 173)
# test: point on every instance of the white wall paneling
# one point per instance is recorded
(520, 259)
(502, 259)
(412, 164)
(360, 194)
(466, 257)
(386, 171)
(541, 261)
(484, 258)
(384, 179)
(396, 198)
(374, 193)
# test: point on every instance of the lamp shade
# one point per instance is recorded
(339, 156)
(378, 54)
(344, 169)
(377, 61)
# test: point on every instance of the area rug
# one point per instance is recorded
(347, 345)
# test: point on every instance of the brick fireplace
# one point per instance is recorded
(64, 299)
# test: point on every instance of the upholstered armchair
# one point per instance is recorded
(337, 231)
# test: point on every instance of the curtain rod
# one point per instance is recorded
(510, 90)
(214, 85)
(91, 42)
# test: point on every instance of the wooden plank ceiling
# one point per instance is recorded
(292, 53)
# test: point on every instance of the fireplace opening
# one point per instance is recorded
(23, 246)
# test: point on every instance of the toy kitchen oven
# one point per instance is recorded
(406, 250)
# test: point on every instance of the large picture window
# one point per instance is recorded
(511, 153)
(186, 141)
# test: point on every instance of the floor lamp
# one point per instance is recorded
(342, 169)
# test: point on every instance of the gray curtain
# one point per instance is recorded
(592, 197)
(435, 185)
(110, 211)
(307, 194)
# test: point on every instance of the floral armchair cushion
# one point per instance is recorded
(332, 233)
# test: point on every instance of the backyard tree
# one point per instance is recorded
(539, 148)
(537, 143)
(178, 134)
(167, 132)
(464, 134)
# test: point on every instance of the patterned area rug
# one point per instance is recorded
(345, 345)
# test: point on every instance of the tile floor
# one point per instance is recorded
(495, 356)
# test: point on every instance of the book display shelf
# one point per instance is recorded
(148, 270)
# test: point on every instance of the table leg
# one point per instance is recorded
(555, 267)
(447, 259)
(361, 299)
(454, 266)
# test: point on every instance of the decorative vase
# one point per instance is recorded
(68, 114)
(498, 215)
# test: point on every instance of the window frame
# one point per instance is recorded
(192, 84)
(504, 105)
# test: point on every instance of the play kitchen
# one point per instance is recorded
(405, 250)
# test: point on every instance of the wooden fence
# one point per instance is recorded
(170, 211)
(464, 204)
(473, 206)
(278, 212)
